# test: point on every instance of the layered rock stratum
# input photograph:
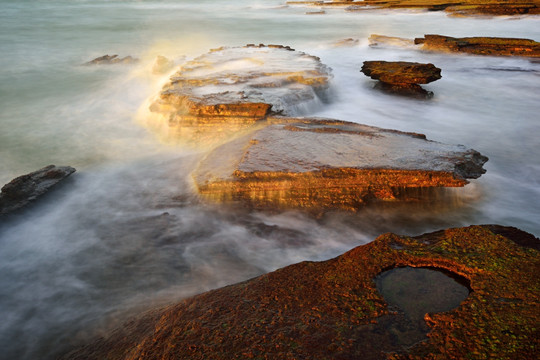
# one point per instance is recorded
(454, 8)
(333, 310)
(316, 164)
(25, 189)
(476, 45)
(230, 89)
(402, 77)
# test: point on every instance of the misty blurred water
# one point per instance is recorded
(127, 232)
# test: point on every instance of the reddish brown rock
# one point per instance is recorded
(491, 46)
(402, 77)
(316, 165)
(25, 189)
(454, 8)
(333, 310)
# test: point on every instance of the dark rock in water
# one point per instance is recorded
(402, 77)
(317, 164)
(491, 46)
(333, 310)
(26, 188)
(112, 59)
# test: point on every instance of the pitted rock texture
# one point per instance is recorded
(24, 189)
(332, 309)
(491, 46)
(238, 86)
(318, 164)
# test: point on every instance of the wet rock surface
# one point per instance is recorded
(112, 59)
(280, 316)
(317, 164)
(491, 46)
(454, 8)
(24, 189)
(402, 77)
(229, 89)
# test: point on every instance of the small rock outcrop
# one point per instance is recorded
(453, 8)
(26, 188)
(112, 59)
(491, 46)
(402, 77)
(333, 310)
(231, 88)
(316, 165)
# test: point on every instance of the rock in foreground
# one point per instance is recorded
(333, 310)
(230, 89)
(402, 77)
(319, 164)
(26, 188)
(492, 46)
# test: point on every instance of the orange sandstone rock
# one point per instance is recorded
(316, 164)
(333, 310)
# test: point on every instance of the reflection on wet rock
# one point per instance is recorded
(317, 164)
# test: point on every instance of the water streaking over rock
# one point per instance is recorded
(231, 88)
(26, 188)
(323, 164)
(280, 316)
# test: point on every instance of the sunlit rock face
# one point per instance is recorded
(333, 310)
(317, 164)
(229, 89)
(491, 46)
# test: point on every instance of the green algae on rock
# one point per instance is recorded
(332, 309)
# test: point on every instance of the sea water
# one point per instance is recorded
(127, 233)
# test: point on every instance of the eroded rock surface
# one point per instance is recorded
(317, 164)
(24, 189)
(402, 77)
(492, 46)
(230, 89)
(454, 8)
(332, 309)
(112, 59)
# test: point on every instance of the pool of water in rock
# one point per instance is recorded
(413, 292)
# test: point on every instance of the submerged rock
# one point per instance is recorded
(231, 88)
(402, 77)
(382, 40)
(333, 310)
(112, 59)
(492, 46)
(26, 188)
(316, 164)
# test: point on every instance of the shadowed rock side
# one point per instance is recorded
(24, 189)
(332, 309)
(317, 164)
(230, 89)
(454, 8)
(402, 77)
(492, 46)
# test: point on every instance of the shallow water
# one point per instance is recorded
(127, 233)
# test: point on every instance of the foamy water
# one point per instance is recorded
(126, 232)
